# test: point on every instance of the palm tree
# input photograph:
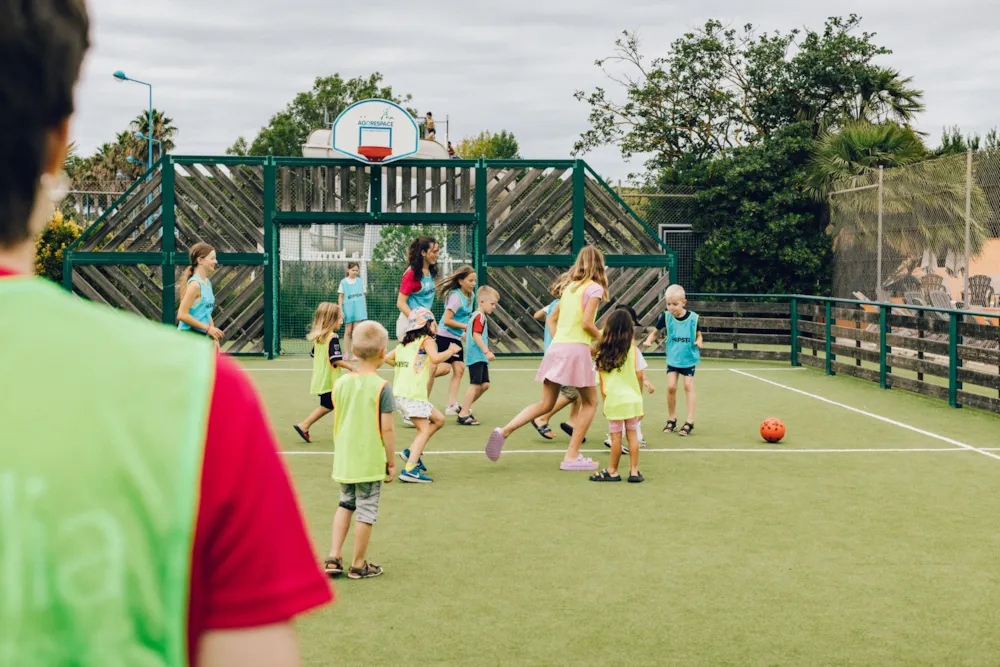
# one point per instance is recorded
(164, 131)
(858, 149)
(883, 95)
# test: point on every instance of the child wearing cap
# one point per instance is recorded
(413, 360)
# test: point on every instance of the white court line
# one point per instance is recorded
(908, 427)
(707, 450)
(535, 370)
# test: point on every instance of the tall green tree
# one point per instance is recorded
(763, 232)
(288, 129)
(719, 88)
(499, 146)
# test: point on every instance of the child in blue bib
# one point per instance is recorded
(683, 347)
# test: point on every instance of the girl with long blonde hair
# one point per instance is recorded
(328, 362)
(568, 362)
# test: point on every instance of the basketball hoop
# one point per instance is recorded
(375, 153)
(375, 131)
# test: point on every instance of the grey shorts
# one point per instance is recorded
(569, 393)
(361, 498)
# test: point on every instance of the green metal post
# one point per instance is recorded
(883, 348)
(375, 190)
(954, 363)
(67, 271)
(794, 315)
(579, 205)
(168, 242)
(827, 315)
(481, 223)
(270, 260)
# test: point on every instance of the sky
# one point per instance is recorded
(220, 72)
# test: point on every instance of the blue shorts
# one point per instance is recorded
(686, 372)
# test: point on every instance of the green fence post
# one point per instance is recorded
(828, 349)
(954, 363)
(481, 220)
(579, 206)
(794, 324)
(168, 242)
(883, 347)
(67, 271)
(271, 336)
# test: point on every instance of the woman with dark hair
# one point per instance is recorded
(175, 558)
(198, 297)
(416, 290)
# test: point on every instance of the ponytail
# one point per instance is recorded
(198, 251)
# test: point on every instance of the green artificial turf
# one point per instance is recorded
(766, 555)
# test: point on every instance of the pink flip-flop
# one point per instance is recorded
(495, 444)
(580, 464)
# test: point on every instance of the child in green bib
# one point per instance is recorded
(328, 363)
(621, 381)
(365, 445)
(414, 360)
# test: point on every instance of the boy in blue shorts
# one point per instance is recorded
(683, 355)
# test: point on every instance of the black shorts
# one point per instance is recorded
(479, 373)
(687, 372)
(326, 400)
(443, 342)
(196, 331)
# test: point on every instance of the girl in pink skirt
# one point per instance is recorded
(568, 361)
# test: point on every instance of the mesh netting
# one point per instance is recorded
(314, 259)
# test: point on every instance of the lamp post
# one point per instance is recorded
(120, 75)
(140, 135)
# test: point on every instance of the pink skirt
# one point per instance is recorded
(568, 364)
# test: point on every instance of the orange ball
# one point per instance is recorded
(772, 430)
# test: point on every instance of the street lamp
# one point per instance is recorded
(140, 135)
(120, 76)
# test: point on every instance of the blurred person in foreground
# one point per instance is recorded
(145, 515)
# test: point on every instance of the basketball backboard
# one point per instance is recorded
(375, 131)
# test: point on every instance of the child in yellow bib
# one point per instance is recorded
(328, 363)
(567, 362)
(365, 443)
(414, 360)
(621, 386)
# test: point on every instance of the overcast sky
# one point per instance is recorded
(220, 72)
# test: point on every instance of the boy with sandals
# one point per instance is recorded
(364, 443)
(683, 346)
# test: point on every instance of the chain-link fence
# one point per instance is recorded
(313, 259)
(87, 201)
(669, 214)
(925, 228)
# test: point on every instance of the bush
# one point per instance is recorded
(59, 233)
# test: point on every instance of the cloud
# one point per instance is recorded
(515, 64)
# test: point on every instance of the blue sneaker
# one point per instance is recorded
(405, 454)
(414, 476)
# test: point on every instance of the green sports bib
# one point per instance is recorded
(100, 463)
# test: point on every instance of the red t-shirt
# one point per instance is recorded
(478, 323)
(410, 283)
(252, 562)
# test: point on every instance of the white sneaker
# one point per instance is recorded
(407, 423)
(453, 409)
(607, 443)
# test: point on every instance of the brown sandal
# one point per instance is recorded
(333, 566)
(366, 571)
